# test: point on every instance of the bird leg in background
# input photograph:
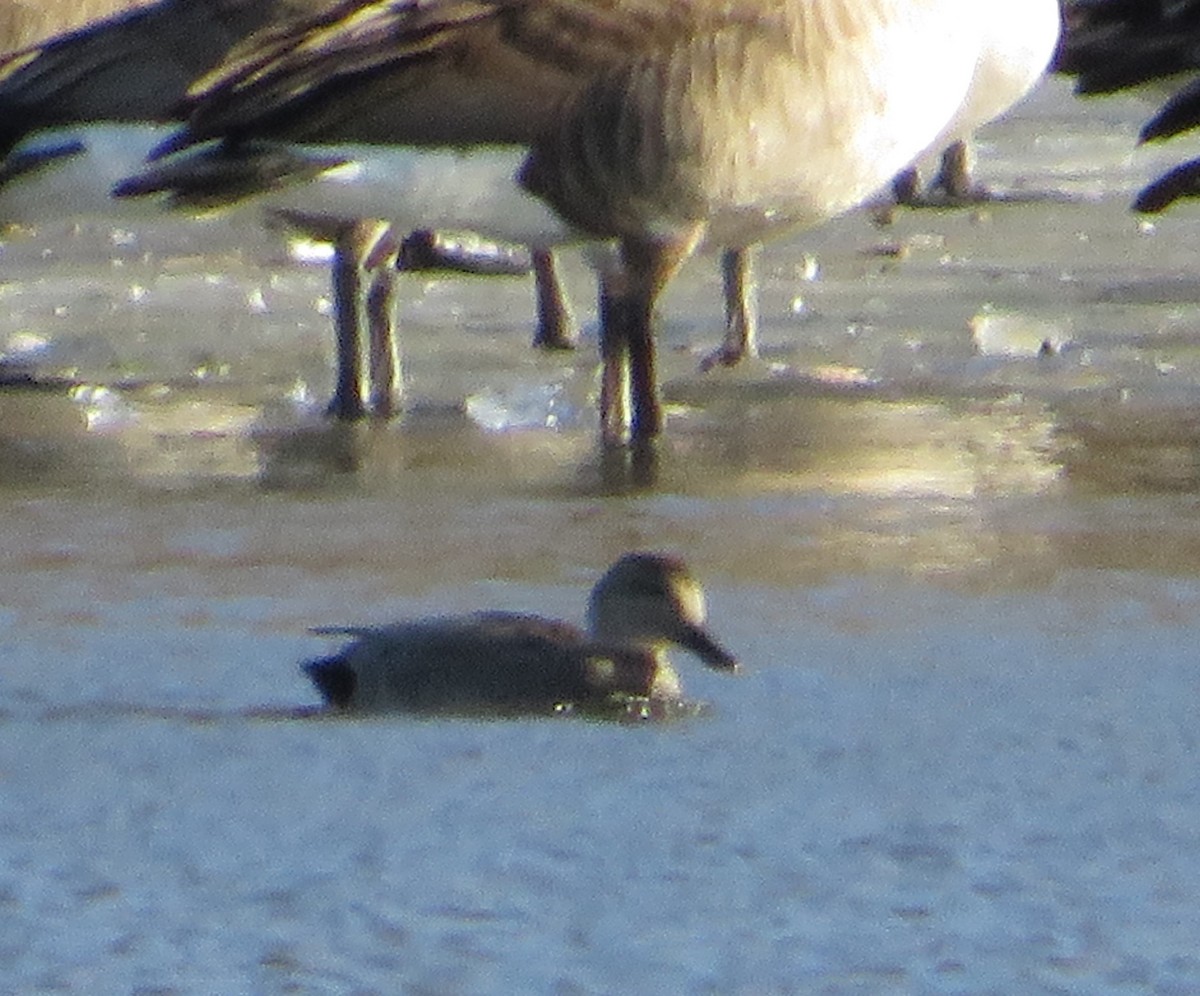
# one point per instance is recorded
(364, 247)
(906, 187)
(954, 176)
(383, 358)
(555, 327)
(952, 185)
(741, 310)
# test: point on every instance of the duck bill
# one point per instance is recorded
(698, 641)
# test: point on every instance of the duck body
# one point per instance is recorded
(511, 662)
(489, 660)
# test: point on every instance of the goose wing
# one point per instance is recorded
(439, 72)
(133, 66)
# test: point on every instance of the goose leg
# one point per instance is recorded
(954, 176)
(347, 402)
(951, 185)
(614, 359)
(554, 323)
(646, 418)
(906, 187)
(741, 310)
(627, 459)
(627, 333)
(383, 360)
(357, 244)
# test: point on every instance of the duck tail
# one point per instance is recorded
(334, 678)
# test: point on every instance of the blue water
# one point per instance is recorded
(955, 783)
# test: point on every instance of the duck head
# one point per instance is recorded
(652, 600)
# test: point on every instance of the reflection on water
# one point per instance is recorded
(778, 439)
(790, 438)
(774, 480)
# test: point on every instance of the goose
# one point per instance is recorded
(655, 126)
(78, 108)
(1019, 42)
(1017, 46)
(526, 663)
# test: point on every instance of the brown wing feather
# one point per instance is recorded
(429, 71)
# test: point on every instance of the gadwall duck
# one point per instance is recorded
(524, 663)
(662, 125)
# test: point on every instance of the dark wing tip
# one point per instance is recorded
(1183, 181)
(175, 142)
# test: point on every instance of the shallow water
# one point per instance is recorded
(964, 581)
